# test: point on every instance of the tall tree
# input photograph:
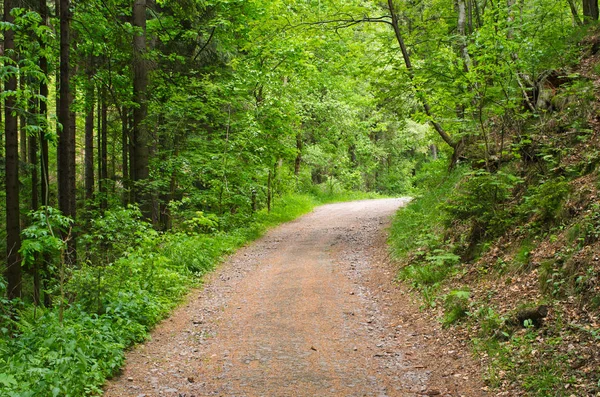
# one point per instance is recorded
(590, 10)
(89, 133)
(140, 86)
(11, 132)
(455, 145)
(66, 138)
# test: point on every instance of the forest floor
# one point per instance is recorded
(311, 309)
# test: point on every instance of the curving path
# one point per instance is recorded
(308, 310)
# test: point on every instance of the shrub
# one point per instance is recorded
(481, 198)
(545, 201)
(456, 305)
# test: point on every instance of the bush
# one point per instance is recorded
(544, 202)
(456, 305)
(481, 199)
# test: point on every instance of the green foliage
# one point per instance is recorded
(481, 198)
(44, 236)
(114, 233)
(544, 201)
(72, 358)
(511, 361)
(456, 306)
(419, 223)
(438, 264)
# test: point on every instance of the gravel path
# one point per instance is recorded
(308, 310)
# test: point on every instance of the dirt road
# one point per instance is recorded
(309, 310)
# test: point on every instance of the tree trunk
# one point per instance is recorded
(66, 142)
(575, 13)
(33, 160)
(44, 168)
(590, 11)
(22, 127)
(420, 97)
(462, 34)
(13, 227)
(125, 154)
(298, 161)
(269, 190)
(104, 157)
(89, 136)
(140, 130)
(66, 138)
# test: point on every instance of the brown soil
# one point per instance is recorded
(311, 309)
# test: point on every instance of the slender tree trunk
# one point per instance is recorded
(44, 168)
(140, 129)
(66, 138)
(13, 227)
(298, 162)
(125, 154)
(462, 34)
(89, 137)
(22, 127)
(477, 14)
(33, 160)
(104, 159)
(66, 175)
(456, 146)
(575, 13)
(269, 190)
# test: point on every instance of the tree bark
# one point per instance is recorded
(590, 11)
(89, 136)
(22, 127)
(66, 140)
(140, 130)
(125, 154)
(462, 33)
(44, 168)
(13, 227)
(298, 161)
(104, 150)
(575, 13)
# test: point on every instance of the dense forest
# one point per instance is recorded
(143, 140)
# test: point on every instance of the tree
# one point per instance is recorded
(590, 10)
(140, 130)
(13, 229)
(66, 138)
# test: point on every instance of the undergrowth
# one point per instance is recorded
(131, 278)
(470, 235)
(416, 234)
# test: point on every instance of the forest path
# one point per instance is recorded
(310, 309)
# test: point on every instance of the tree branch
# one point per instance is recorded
(212, 33)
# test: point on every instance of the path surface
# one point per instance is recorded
(308, 310)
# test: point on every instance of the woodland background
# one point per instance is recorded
(143, 140)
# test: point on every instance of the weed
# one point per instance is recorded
(456, 305)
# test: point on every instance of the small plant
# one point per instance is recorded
(456, 306)
(44, 235)
(544, 202)
(202, 223)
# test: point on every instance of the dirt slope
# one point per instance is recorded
(309, 310)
